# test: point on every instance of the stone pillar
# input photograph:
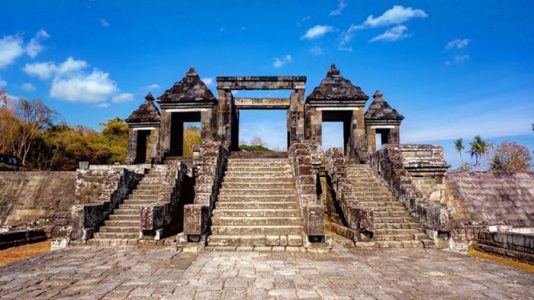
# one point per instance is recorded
(394, 135)
(165, 134)
(371, 140)
(205, 125)
(132, 146)
(359, 137)
(225, 117)
(152, 146)
(296, 116)
(314, 125)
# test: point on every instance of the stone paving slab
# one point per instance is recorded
(154, 273)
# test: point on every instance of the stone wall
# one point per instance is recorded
(40, 199)
(414, 172)
(303, 161)
(99, 189)
(359, 219)
(512, 245)
(491, 198)
(209, 163)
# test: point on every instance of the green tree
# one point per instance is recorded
(191, 139)
(479, 148)
(115, 134)
(459, 146)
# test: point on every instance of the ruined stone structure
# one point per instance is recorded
(155, 136)
(396, 196)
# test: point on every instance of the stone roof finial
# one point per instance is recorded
(378, 95)
(333, 70)
(149, 97)
(191, 72)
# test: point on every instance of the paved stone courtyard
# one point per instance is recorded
(117, 273)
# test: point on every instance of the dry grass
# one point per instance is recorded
(22, 252)
(502, 260)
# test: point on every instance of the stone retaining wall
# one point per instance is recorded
(37, 199)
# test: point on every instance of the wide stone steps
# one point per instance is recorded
(255, 240)
(257, 205)
(262, 174)
(116, 235)
(259, 179)
(256, 213)
(109, 228)
(258, 185)
(393, 224)
(115, 217)
(257, 198)
(255, 191)
(125, 221)
(256, 221)
(254, 230)
(407, 225)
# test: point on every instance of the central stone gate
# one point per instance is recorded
(230, 105)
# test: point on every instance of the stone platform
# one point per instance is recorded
(153, 273)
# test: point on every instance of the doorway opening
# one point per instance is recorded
(143, 147)
(381, 137)
(332, 135)
(179, 123)
(343, 119)
(263, 130)
(192, 137)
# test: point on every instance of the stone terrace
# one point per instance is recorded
(117, 273)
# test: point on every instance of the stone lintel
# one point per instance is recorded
(350, 103)
(352, 108)
(382, 123)
(141, 126)
(145, 128)
(262, 103)
(182, 105)
(261, 82)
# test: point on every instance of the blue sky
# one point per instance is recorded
(453, 68)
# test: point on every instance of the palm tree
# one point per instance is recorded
(459, 146)
(479, 147)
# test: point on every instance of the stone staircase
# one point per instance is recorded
(393, 224)
(125, 221)
(257, 205)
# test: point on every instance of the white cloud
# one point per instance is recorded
(317, 31)
(398, 14)
(10, 50)
(457, 44)
(122, 98)
(208, 81)
(91, 88)
(28, 87)
(152, 87)
(341, 4)
(45, 70)
(102, 105)
(3, 84)
(316, 50)
(458, 59)
(104, 23)
(391, 35)
(34, 47)
(281, 62)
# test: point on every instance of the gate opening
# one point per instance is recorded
(263, 130)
